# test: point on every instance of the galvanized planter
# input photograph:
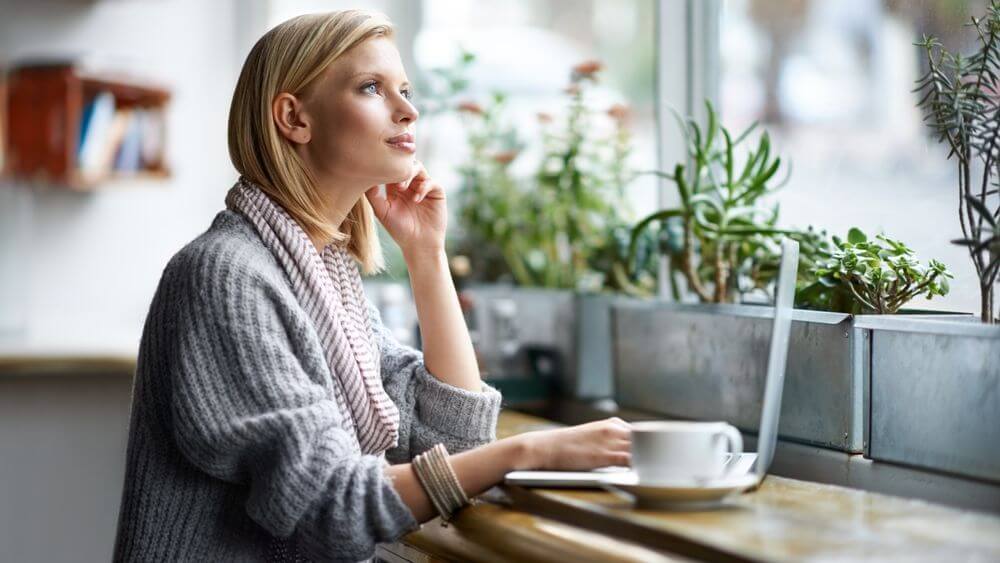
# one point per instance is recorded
(703, 361)
(578, 326)
(594, 374)
(935, 394)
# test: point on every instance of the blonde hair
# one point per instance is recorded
(290, 58)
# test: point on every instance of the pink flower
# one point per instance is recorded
(471, 107)
(619, 112)
(588, 68)
(505, 157)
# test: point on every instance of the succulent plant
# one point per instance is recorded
(879, 275)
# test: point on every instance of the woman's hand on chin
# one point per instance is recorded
(414, 212)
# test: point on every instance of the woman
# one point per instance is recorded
(269, 399)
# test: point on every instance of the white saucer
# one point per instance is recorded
(683, 495)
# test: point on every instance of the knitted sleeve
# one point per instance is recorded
(430, 410)
(247, 410)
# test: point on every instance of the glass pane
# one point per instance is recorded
(832, 82)
(527, 49)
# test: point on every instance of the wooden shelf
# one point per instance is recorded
(45, 108)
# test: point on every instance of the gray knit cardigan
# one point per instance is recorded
(236, 444)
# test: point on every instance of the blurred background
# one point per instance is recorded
(81, 251)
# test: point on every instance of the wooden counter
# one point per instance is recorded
(783, 520)
(69, 352)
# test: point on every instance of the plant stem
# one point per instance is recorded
(721, 272)
(986, 300)
(689, 270)
(618, 272)
(901, 300)
(860, 299)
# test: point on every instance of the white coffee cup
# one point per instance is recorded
(665, 452)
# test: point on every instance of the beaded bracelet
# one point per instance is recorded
(440, 482)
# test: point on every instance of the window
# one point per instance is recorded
(526, 49)
(832, 82)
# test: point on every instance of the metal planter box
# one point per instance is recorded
(594, 374)
(703, 361)
(578, 326)
(935, 394)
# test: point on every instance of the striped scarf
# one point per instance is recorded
(329, 289)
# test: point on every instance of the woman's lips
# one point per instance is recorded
(406, 146)
(403, 142)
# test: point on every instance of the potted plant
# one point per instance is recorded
(961, 105)
(933, 399)
(707, 360)
(554, 236)
(876, 276)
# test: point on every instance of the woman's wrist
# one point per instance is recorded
(425, 255)
(525, 452)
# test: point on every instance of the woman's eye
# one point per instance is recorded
(407, 93)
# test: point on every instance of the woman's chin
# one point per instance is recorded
(400, 174)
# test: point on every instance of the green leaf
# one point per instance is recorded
(986, 244)
(728, 163)
(641, 226)
(980, 208)
(856, 236)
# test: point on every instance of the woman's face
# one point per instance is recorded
(359, 103)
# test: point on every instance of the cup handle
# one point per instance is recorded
(735, 440)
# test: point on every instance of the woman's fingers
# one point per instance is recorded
(621, 445)
(393, 192)
(417, 175)
(613, 431)
(416, 191)
(379, 204)
(620, 423)
(615, 458)
(425, 188)
(623, 459)
(417, 186)
(419, 189)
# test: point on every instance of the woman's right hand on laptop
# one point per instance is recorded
(578, 448)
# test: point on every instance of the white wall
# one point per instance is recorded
(75, 262)
(82, 267)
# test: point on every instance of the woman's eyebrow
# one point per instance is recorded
(377, 74)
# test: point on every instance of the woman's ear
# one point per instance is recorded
(286, 110)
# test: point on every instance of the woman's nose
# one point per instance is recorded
(407, 112)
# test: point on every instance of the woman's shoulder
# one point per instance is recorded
(229, 252)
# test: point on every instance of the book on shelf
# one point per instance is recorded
(95, 125)
(153, 137)
(129, 156)
(3, 123)
(118, 140)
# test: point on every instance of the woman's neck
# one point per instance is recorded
(336, 212)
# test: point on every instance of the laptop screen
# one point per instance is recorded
(775, 381)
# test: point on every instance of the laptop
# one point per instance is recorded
(740, 465)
